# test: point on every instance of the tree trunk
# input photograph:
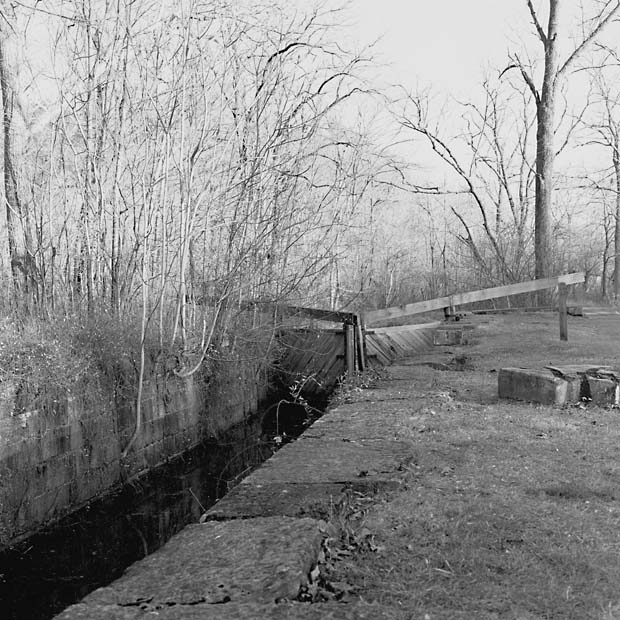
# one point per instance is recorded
(544, 188)
(545, 152)
(10, 188)
(24, 269)
(616, 161)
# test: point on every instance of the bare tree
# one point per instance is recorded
(490, 160)
(207, 136)
(20, 247)
(556, 69)
(602, 127)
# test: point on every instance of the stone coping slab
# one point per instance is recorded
(360, 420)
(259, 543)
(263, 500)
(262, 560)
(396, 392)
(322, 460)
(237, 611)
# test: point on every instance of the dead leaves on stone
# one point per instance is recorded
(345, 536)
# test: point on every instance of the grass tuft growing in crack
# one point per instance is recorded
(346, 535)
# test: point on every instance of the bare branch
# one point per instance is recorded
(527, 78)
(603, 22)
(539, 30)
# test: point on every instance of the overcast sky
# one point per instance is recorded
(446, 42)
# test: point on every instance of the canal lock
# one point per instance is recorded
(94, 545)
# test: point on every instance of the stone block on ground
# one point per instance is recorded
(539, 386)
(262, 560)
(599, 383)
(450, 337)
(603, 391)
(600, 311)
(560, 385)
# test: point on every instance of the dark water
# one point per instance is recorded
(92, 547)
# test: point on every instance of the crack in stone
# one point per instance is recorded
(146, 604)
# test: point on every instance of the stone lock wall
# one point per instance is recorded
(68, 449)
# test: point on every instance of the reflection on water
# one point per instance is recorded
(90, 548)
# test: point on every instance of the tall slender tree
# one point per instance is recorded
(21, 251)
(602, 127)
(556, 69)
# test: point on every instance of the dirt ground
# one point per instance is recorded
(510, 510)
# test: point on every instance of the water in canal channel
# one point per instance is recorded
(92, 547)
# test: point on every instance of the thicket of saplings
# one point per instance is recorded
(176, 172)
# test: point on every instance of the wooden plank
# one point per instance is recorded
(515, 309)
(409, 328)
(332, 363)
(361, 346)
(304, 352)
(562, 297)
(308, 313)
(379, 346)
(376, 348)
(300, 349)
(459, 299)
(317, 354)
(573, 308)
(349, 346)
(389, 343)
(374, 316)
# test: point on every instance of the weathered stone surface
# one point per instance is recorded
(237, 611)
(265, 500)
(569, 383)
(603, 391)
(397, 390)
(359, 419)
(263, 559)
(538, 385)
(59, 451)
(309, 460)
(83, 611)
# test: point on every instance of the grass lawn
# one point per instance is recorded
(511, 510)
